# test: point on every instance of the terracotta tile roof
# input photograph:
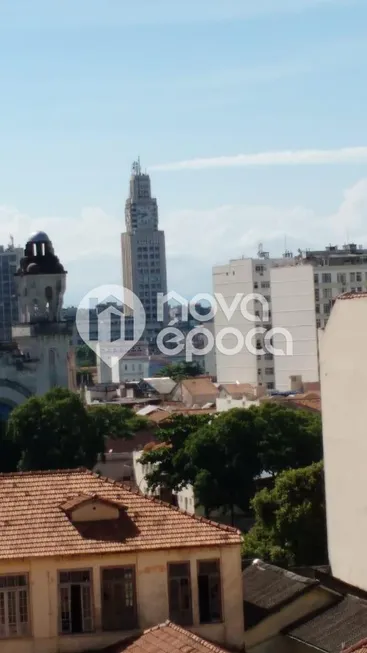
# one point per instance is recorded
(136, 443)
(340, 626)
(159, 416)
(32, 523)
(167, 638)
(200, 386)
(238, 390)
(193, 411)
(353, 295)
(361, 647)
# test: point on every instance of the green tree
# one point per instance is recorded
(171, 465)
(225, 457)
(179, 371)
(57, 431)
(85, 356)
(290, 520)
(289, 437)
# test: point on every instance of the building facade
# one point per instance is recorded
(9, 262)
(299, 292)
(143, 249)
(337, 270)
(86, 563)
(41, 354)
(343, 372)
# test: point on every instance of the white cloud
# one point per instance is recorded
(89, 244)
(342, 155)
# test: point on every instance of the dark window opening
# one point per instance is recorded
(210, 600)
(118, 599)
(179, 591)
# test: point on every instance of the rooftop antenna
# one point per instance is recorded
(11, 241)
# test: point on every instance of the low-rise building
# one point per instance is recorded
(86, 563)
(197, 392)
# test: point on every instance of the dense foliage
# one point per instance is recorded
(57, 431)
(222, 455)
(179, 371)
(290, 520)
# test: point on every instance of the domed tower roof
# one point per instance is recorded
(39, 256)
(38, 237)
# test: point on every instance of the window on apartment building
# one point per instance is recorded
(269, 370)
(352, 277)
(359, 289)
(75, 601)
(14, 611)
(317, 308)
(270, 385)
(326, 293)
(265, 284)
(118, 598)
(326, 277)
(256, 285)
(326, 309)
(341, 277)
(318, 324)
(210, 592)
(316, 278)
(259, 268)
(179, 593)
(268, 357)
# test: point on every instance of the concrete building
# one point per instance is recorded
(287, 301)
(41, 355)
(9, 262)
(343, 370)
(86, 563)
(337, 270)
(143, 249)
(293, 309)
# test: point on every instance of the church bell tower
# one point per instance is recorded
(42, 336)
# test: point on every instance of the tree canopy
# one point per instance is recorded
(85, 356)
(57, 431)
(179, 371)
(222, 455)
(290, 520)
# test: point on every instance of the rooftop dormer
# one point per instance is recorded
(90, 508)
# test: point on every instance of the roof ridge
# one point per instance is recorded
(286, 572)
(169, 624)
(356, 647)
(43, 472)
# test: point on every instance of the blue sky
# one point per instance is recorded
(87, 85)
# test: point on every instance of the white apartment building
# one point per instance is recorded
(343, 375)
(293, 310)
(299, 291)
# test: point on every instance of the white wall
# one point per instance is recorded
(185, 497)
(343, 365)
(228, 280)
(293, 308)
(227, 403)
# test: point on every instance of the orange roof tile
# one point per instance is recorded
(361, 647)
(167, 637)
(240, 389)
(200, 386)
(32, 523)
